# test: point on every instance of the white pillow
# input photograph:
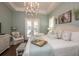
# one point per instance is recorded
(75, 36)
(66, 36)
(58, 34)
(51, 35)
(50, 32)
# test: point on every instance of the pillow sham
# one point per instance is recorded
(51, 36)
(66, 36)
(58, 34)
(75, 36)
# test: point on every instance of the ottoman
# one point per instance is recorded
(20, 49)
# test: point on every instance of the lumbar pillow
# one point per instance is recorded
(66, 36)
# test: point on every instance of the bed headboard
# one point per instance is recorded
(65, 27)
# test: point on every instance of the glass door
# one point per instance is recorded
(36, 27)
(31, 27)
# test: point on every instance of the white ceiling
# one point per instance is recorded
(44, 7)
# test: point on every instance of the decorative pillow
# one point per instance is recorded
(51, 35)
(66, 36)
(16, 34)
(58, 34)
(39, 42)
(75, 36)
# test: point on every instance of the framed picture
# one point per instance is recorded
(65, 18)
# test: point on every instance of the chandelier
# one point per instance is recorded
(31, 8)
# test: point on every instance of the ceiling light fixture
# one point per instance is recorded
(31, 8)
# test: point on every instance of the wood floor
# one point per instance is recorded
(11, 51)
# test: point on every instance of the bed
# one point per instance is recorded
(55, 47)
(34, 50)
(64, 48)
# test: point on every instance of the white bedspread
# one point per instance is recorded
(59, 48)
(64, 48)
(34, 50)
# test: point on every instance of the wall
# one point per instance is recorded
(19, 22)
(5, 18)
(66, 6)
(44, 23)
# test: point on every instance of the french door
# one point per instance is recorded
(31, 27)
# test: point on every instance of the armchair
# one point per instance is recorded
(17, 38)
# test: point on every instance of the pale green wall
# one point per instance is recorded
(64, 7)
(19, 21)
(44, 23)
(5, 18)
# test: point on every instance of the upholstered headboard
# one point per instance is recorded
(66, 27)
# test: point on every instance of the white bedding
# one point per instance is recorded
(64, 48)
(34, 50)
(59, 47)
